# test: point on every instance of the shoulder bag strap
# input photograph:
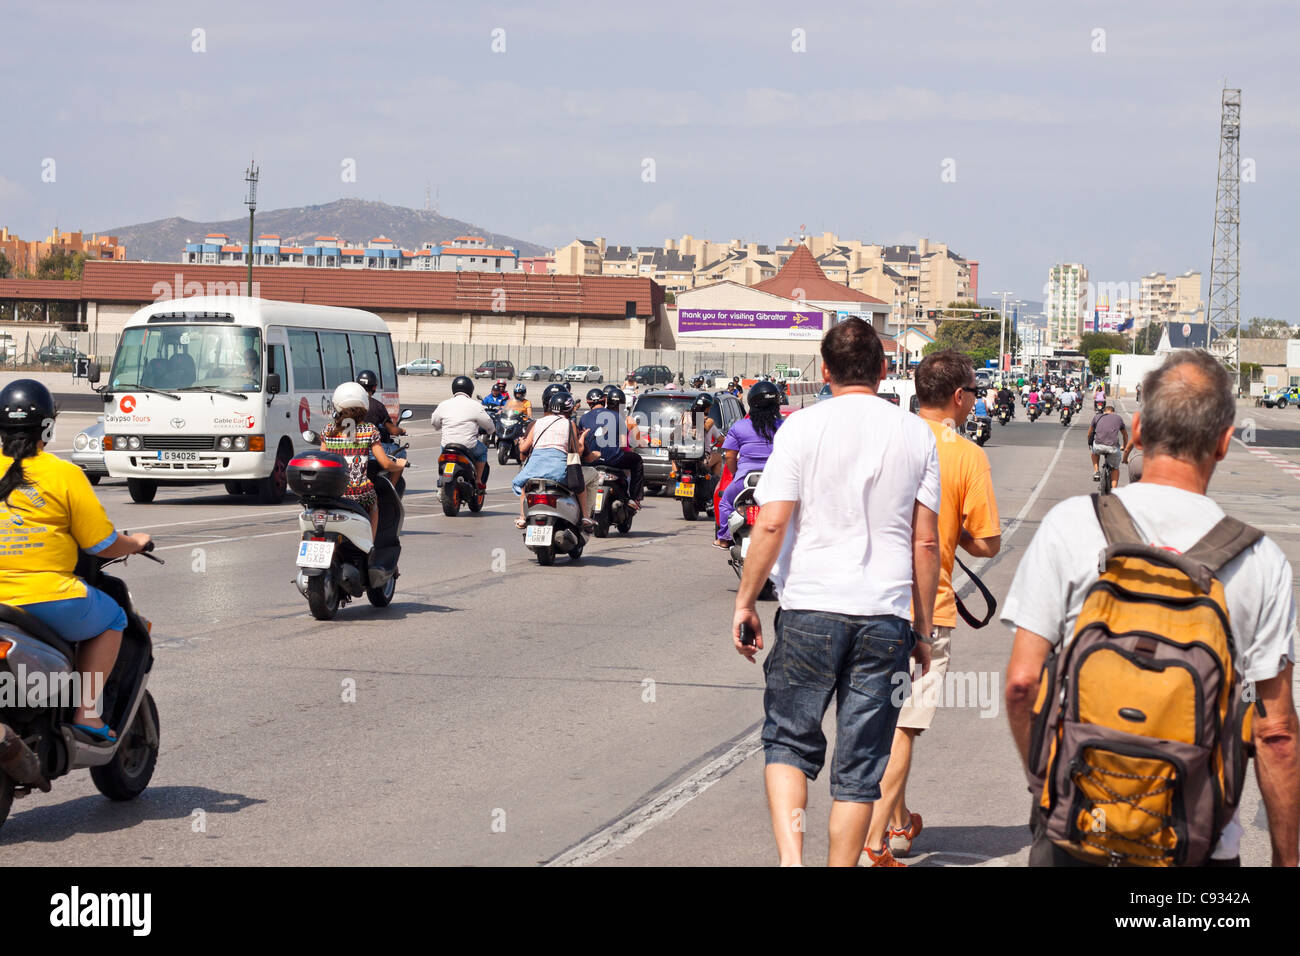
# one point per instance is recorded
(1116, 523)
(990, 602)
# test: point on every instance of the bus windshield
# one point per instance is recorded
(189, 356)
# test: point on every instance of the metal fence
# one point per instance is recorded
(461, 358)
(23, 347)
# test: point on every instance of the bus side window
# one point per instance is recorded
(337, 360)
(387, 367)
(305, 355)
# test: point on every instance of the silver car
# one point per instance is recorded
(88, 452)
(421, 366)
(584, 373)
(540, 373)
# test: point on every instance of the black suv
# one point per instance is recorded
(659, 409)
(653, 375)
(495, 368)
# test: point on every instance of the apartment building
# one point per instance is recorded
(462, 254)
(1163, 300)
(1067, 304)
(24, 256)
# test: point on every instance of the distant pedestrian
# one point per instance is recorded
(1148, 748)
(968, 518)
(848, 533)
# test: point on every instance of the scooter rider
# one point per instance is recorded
(52, 504)
(520, 403)
(377, 414)
(460, 419)
(603, 428)
(497, 397)
(1006, 398)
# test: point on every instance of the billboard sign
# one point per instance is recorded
(749, 324)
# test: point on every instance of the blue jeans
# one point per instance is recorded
(860, 661)
(546, 463)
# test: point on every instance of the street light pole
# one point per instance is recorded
(250, 177)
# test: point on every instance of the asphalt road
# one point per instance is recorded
(507, 713)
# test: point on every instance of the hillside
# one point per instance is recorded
(352, 220)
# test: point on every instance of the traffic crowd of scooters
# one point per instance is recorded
(1047, 395)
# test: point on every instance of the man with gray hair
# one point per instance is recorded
(1184, 429)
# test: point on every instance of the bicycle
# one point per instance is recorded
(1105, 476)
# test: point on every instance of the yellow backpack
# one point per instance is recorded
(1141, 728)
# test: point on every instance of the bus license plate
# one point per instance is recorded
(449, 468)
(539, 535)
(178, 456)
(685, 489)
(315, 554)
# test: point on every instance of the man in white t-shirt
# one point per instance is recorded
(1185, 428)
(848, 533)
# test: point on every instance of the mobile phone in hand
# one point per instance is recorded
(747, 635)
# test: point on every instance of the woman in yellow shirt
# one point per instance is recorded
(48, 514)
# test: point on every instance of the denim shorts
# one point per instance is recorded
(76, 619)
(856, 659)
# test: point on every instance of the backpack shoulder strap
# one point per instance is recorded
(1224, 542)
(1116, 523)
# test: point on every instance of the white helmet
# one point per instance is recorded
(350, 395)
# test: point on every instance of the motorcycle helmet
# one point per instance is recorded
(703, 403)
(499, 385)
(25, 403)
(762, 394)
(561, 403)
(462, 385)
(550, 391)
(614, 397)
(521, 390)
(596, 396)
(368, 380)
(350, 395)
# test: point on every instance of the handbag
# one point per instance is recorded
(573, 462)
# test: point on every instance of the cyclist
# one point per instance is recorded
(1104, 439)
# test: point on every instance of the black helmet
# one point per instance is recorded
(614, 397)
(368, 380)
(595, 395)
(703, 403)
(25, 403)
(462, 384)
(551, 390)
(499, 385)
(763, 393)
(521, 390)
(560, 403)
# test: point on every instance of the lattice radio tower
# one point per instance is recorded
(1224, 316)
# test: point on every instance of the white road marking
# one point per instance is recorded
(629, 827)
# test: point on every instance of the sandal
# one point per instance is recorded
(634, 505)
(588, 525)
(521, 523)
(98, 735)
(721, 545)
(881, 857)
(900, 838)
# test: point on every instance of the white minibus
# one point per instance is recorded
(220, 388)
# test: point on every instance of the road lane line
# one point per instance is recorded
(641, 820)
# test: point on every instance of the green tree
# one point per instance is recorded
(1099, 360)
(6, 267)
(1251, 371)
(1149, 337)
(979, 340)
(61, 264)
(1262, 328)
(670, 298)
(1091, 341)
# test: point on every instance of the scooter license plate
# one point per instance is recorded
(315, 554)
(538, 535)
(685, 489)
(600, 500)
(449, 468)
(744, 548)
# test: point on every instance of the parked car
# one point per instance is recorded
(422, 366)
(1282, 397)
(709, 375)
(495, 368)
(58, 355)
(541, 373)
(584, 373)
(652, 375)
(88, 451)
(824, 394)
(661, 409)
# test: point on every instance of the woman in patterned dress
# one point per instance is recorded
(351, 436)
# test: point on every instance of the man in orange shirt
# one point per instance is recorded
(968, 516)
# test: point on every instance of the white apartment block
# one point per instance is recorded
(1066, 304)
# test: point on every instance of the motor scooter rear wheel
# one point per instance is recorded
(127, 775)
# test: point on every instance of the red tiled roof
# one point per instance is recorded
(381, 239)
(327, 238)
(268, 235)
(469, 238)
(802, 272)
(52, 289)
(378, 290)
(478, 252)
(354, 252)
(232, 248)
(216, 235)
(290, 250)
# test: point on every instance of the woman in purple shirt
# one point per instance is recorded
(747, 448)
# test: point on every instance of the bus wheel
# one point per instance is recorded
(142, 490)
(270, 490)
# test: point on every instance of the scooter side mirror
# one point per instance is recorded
(406, 413)
(310, 437)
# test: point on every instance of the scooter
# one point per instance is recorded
(1067, 412)
(1100, 404)
(493, 438)
(978, 428)
(37, 742)
(611, 504)
(1004, 414)
(694, 482)
(1035, 410)
(553, 521)
(338, 558)
(740, 525)
(456, 484)
(513, 427)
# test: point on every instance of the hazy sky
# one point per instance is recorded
(1059, 152)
